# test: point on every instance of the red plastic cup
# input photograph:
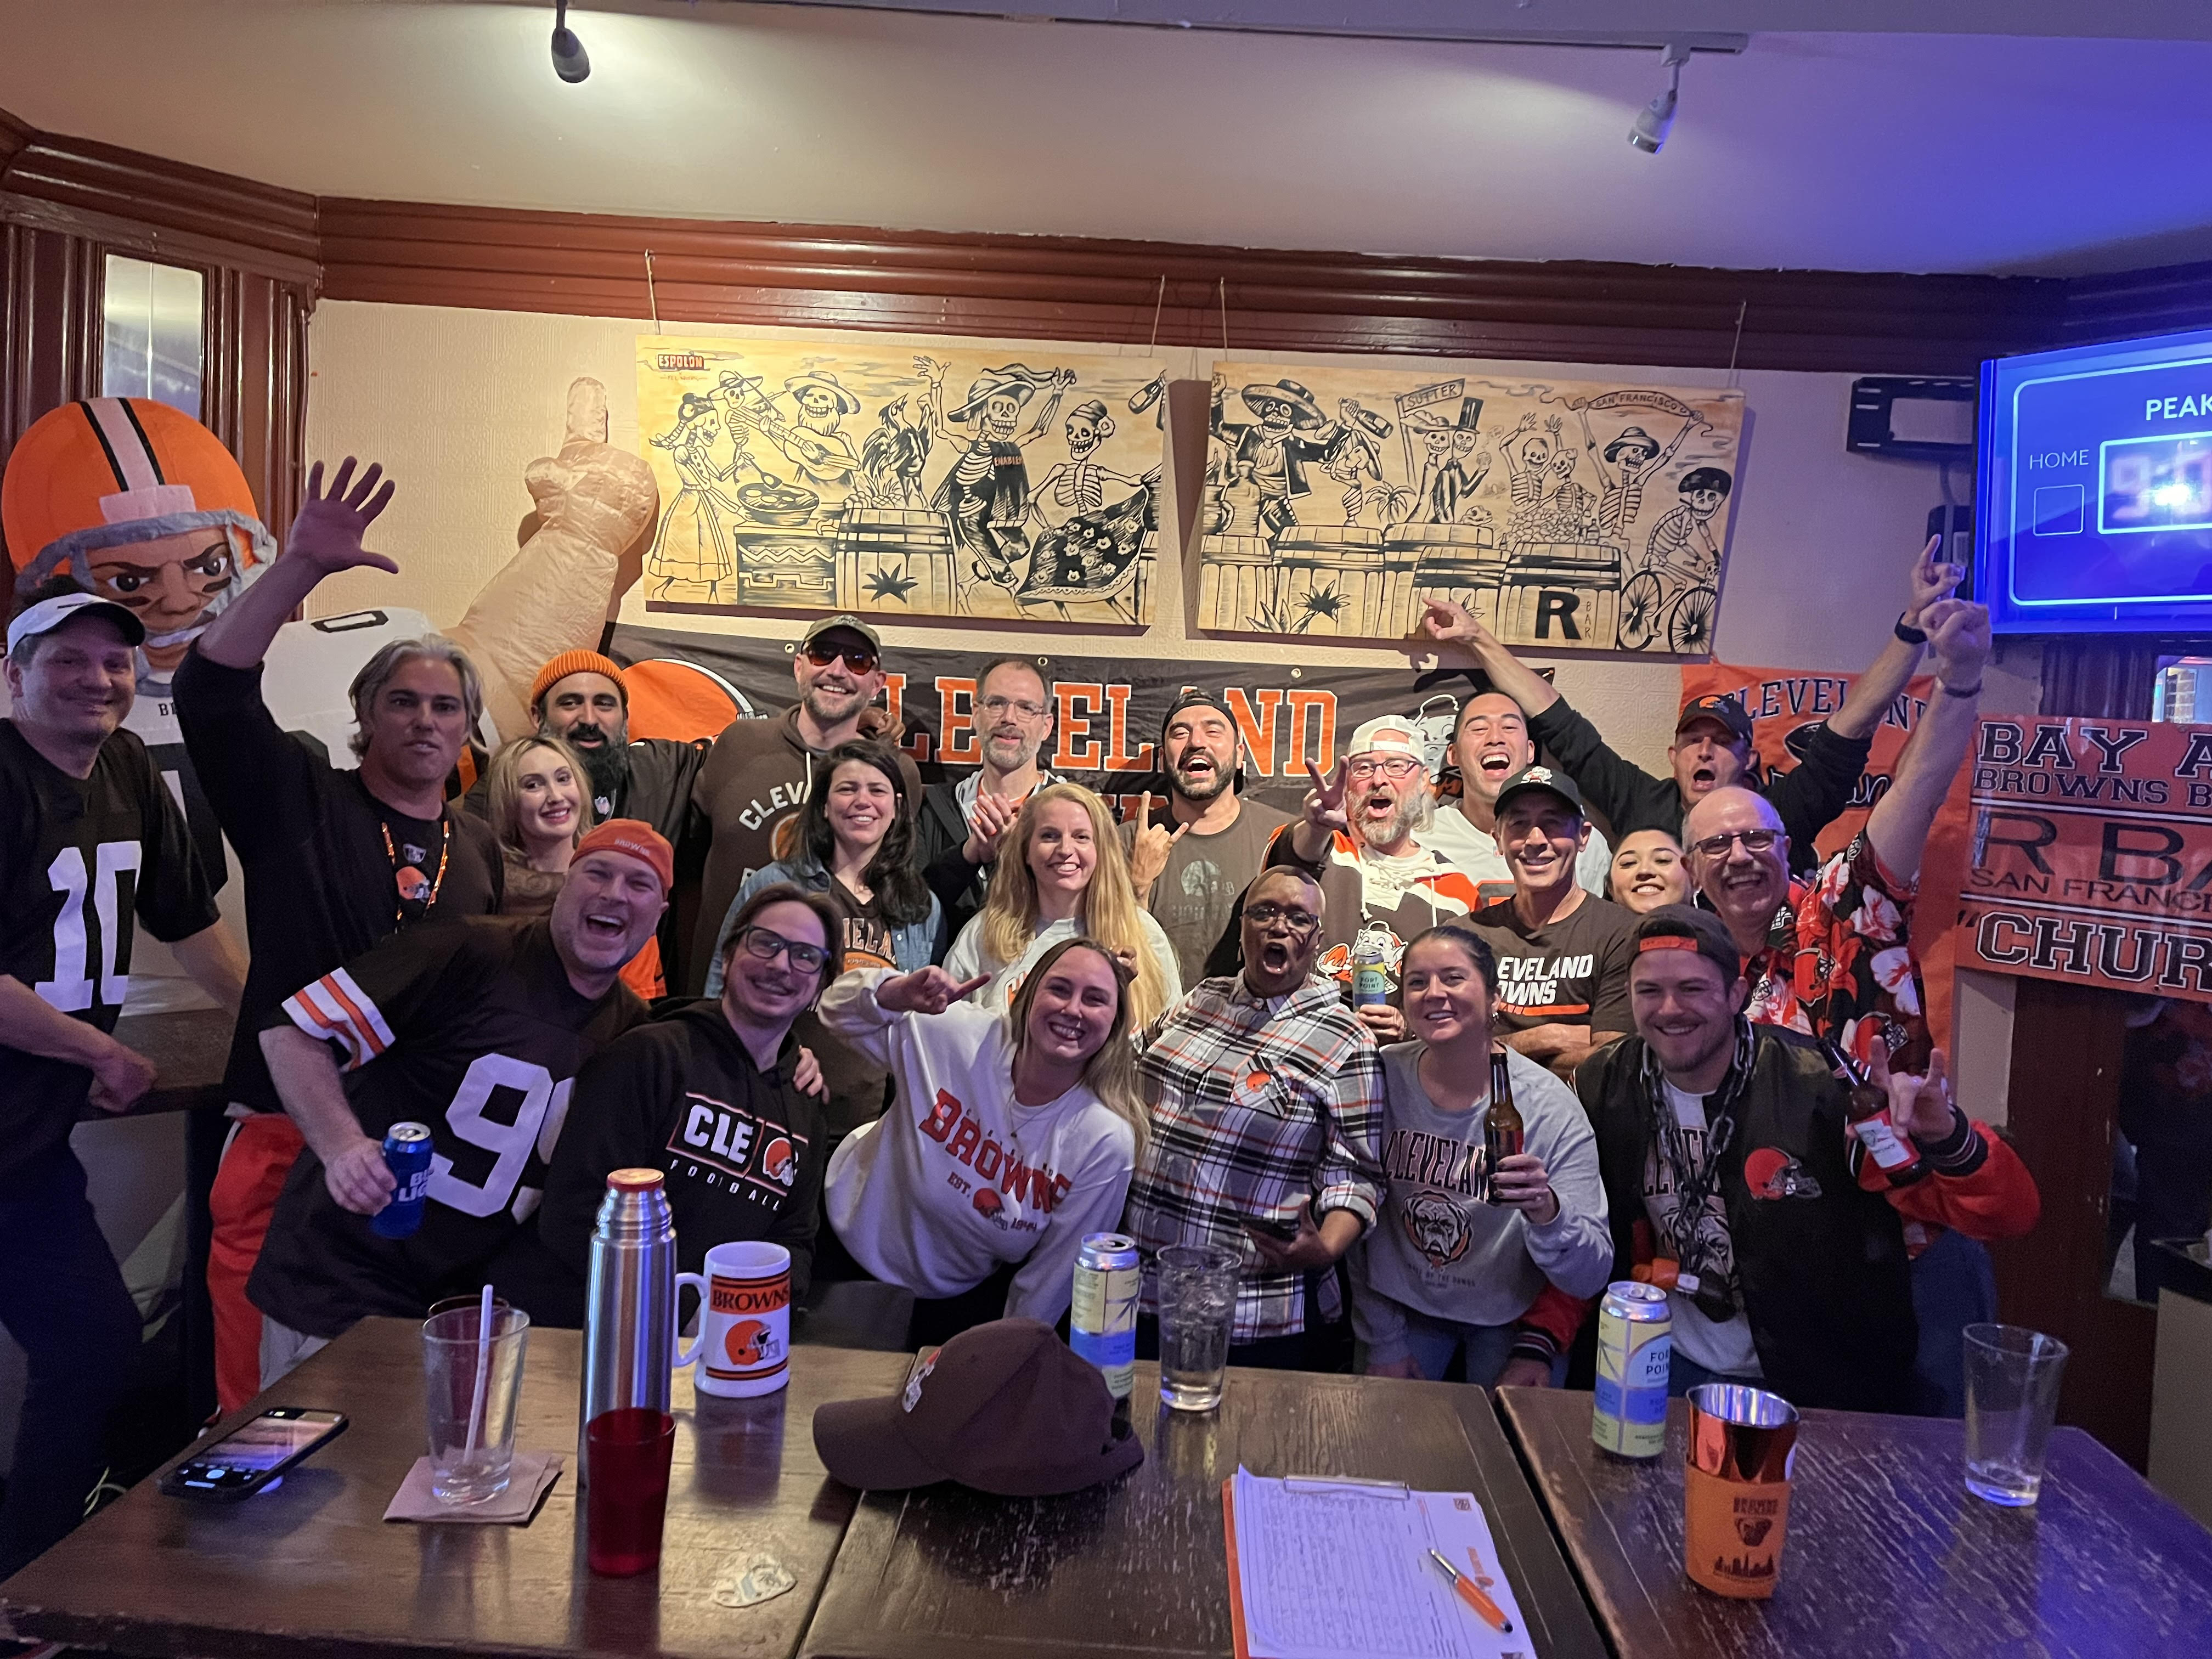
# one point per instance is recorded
(629, 1452)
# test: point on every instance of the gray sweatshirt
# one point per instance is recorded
(1437, 1250)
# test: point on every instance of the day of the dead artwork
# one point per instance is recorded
(1338, 502)
(972, 481)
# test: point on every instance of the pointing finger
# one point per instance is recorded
(969, 987)
(1144, 809)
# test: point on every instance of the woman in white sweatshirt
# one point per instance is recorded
(1011, 1136)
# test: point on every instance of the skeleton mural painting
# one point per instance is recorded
(1561, 513)
(961, 481)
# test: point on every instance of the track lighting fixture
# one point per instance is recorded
(570, 62)
(1655, 118)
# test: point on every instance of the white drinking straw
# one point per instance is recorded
(483, 1370)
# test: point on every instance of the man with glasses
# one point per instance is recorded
(1360, 838)
(961, 823)
(1191, 860)
(1831, 957)
(707, 1094)
(1266, 1103)
(758, 772)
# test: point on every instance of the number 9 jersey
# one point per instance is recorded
(470, 1027)
(79, 858)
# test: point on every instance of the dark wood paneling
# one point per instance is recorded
(161, 195)
(2130, 303)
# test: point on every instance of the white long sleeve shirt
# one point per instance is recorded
(969, 956)
(957, 1176)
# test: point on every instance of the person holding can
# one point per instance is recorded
(1446, 1271)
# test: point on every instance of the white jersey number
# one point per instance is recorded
(71, 991)
(537, 1127)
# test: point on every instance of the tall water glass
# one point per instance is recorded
(2012, 1400)
(459, 1398)
(1198, 1308)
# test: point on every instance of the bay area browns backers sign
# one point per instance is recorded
(2091, 854)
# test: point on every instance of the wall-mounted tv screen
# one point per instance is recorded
(2094, 489)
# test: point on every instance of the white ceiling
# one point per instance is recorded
(1883, 151)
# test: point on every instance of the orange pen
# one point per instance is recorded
(1471, 1593)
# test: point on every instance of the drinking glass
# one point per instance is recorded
(2012, 1399)
(626, 1494)
(465, 1470)
(1198, 1307)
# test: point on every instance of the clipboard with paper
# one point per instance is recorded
(1340, 1569)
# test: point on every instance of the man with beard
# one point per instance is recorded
(476, 1031)
(1712, 744)
(1190, 863)
(755, 776)
(1490, 744)
(1721, 1144)
(1562, 953)
(962, 824)
(1360, 838)
(581, 697)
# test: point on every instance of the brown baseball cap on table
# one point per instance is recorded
(1006, 1407)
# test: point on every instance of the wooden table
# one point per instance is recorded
(312, 1567)
(1888, 1554)
(1138, 1566)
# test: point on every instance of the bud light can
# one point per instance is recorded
(1102, 1320)
(407, 1155)
(1635, 1347)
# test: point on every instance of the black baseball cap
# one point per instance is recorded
(1544, 780)
(1007, 1407)
(1685, 927)
(1723, 707)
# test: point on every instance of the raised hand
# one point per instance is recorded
(327, 531)
(1150, 849)
(1932, 578)
(1324, 802)
(986, 827)
(929, 990)
(1959, 639)
(1918, 1106)
(1447, 620)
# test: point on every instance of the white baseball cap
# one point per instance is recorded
(47, 615)
(1388, 734)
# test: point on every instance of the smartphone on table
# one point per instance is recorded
(254, 1455)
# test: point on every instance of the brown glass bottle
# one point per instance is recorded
(1866, 1110)
(1502, 1129)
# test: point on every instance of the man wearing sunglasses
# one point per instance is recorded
(758, 774)
(1361, 838)
(706, 1093)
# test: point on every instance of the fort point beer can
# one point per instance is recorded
(1635, 1345)
(1101, 1321)
(407, 1155)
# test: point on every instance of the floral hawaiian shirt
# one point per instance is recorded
(1839, 964)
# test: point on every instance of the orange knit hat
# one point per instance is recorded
(576, 662)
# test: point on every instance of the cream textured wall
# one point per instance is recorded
(457, 403)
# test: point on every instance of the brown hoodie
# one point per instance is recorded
(753, 783)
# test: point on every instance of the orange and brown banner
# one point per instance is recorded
(2090, 858)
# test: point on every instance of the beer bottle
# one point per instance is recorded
(1866, 1110)
(1502, 1129)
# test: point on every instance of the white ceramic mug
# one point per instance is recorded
(744, 1345)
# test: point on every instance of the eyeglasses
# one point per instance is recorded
(1264, 916)
(1402, 767)
(995, 707)
(1754, 841)
(768, 946)
(860, 658)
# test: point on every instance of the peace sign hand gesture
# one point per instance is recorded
(326, 533)
(1324, 803)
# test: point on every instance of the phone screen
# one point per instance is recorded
(266, 1443)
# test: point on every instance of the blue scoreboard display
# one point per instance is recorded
(2096, 489)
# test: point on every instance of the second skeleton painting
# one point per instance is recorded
(1338, 502)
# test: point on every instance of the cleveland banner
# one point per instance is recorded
(2091, 854)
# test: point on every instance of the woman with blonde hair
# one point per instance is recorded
(1062, 874)
(1013, 1135)
(538, 804)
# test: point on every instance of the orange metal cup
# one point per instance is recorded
(1735, 1489)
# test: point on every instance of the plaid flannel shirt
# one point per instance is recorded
(1257, 1106)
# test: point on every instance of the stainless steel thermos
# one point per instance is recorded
(629, 1309)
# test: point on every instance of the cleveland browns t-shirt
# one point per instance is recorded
(329, 869)
(1571, 971)
(472, 1029)
(79, 858)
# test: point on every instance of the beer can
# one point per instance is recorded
(407, 1155)
(1101, 1321)
(1635, 1343)
(1370, 968)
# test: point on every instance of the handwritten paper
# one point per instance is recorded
(1330, 1572)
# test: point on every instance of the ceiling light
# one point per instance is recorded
(1654, 120)
(571, 61)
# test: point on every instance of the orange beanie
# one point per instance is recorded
(576, 662)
